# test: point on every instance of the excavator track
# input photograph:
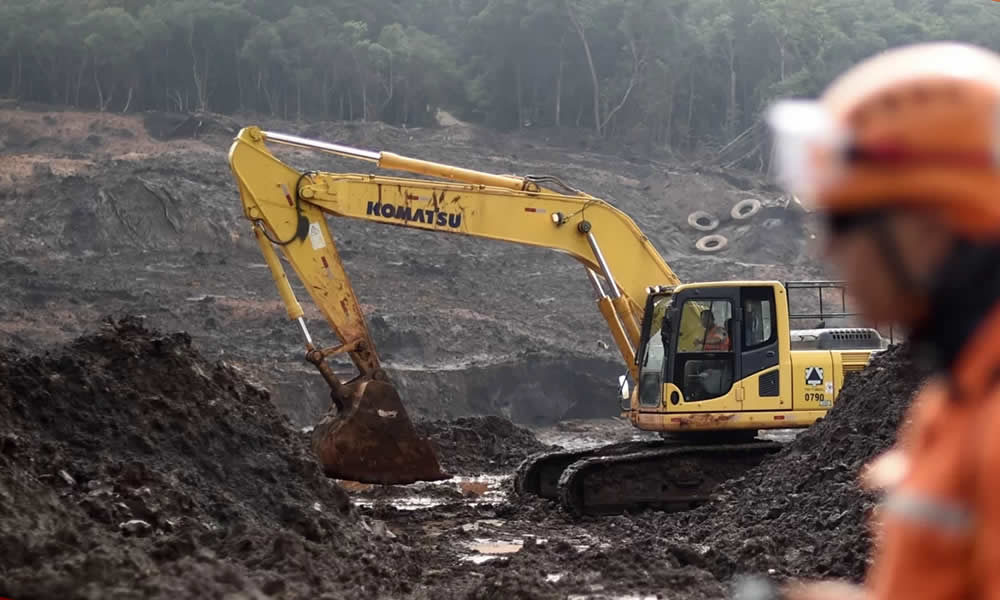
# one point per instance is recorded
(637, 475)
(538, 475)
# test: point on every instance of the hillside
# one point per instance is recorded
(106, 214)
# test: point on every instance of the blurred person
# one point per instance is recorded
(898, 159)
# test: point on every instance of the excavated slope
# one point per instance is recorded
(142, 216)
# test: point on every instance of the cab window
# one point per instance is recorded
(758, 319)
(706, 326)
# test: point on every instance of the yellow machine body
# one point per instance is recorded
(634, 288)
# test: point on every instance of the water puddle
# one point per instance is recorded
(478, 558)
(606, 597)
(475, 490)
(486, 549)
(489, 549)
(497, 547)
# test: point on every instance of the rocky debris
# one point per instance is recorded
(128, 462)
(473, 445)
(801, 512)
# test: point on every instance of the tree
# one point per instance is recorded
(112, 38)
(675, 74)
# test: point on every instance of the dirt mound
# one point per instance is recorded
(130, 463)
(167, 126)
(801, 512)
(470, 445)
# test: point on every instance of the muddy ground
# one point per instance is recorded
(139, 214)
(132, 466)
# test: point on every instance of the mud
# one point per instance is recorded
(130, 465)
(480, 444)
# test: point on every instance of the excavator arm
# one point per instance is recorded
(287, 209)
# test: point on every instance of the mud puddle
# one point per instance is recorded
(463, 513)
(497, 538)
(591, 433)
(470, 490)
(486, 549)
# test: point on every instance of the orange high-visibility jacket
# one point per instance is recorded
(716, 340)
(938, 531)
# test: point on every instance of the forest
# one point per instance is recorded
(677, 75)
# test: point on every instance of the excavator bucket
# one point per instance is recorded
(372, 440)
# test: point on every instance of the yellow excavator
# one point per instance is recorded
(713, 362)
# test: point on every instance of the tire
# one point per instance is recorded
(711, 243)
(702, 221)
(744, 209)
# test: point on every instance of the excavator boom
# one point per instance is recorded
(500, 207)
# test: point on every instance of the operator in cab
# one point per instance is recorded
(900, 160)
(715, 338)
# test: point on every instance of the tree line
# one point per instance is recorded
(675, 74)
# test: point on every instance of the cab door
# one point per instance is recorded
(759, 372)
(702, 374)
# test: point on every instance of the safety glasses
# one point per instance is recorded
(839, 224)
